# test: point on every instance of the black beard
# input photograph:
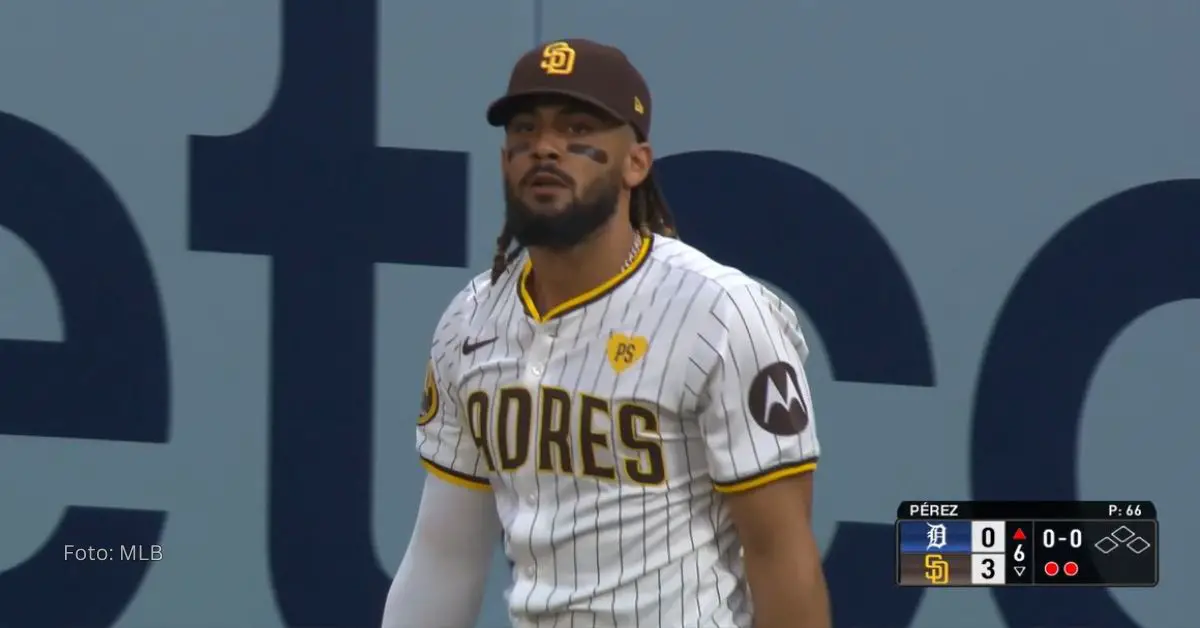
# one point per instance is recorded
(564, 229)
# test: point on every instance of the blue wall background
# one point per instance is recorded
(228, 227)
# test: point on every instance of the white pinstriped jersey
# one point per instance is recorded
(609, 428)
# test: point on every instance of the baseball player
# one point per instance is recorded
(629, 416)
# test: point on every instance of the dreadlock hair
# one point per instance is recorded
(648, 213)
(503, 257)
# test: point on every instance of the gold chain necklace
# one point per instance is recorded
(637, 248)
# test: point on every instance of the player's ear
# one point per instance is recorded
(637, 164)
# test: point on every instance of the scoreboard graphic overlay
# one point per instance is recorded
(953, 544)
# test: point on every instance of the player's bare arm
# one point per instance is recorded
(783, 562)
(762, 450)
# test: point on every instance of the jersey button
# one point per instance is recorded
(530, 571)
(536, 370)
(531, 499)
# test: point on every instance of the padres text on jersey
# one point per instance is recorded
(609, 427)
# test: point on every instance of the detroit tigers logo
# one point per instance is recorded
(429, 397)
(775, 401)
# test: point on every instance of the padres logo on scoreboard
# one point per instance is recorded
(937, 570)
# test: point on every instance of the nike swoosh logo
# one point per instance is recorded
(469, 347)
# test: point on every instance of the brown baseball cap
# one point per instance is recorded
(582, 69)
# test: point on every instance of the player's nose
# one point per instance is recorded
(547, 146)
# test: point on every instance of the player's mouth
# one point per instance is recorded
(545, 183)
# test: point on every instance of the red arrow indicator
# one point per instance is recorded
(1019, 535)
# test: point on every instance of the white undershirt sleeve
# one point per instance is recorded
(441, 580)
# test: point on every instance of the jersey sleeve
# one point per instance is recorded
(755, 410)
(444, 439)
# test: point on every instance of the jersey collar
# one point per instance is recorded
(586, 298)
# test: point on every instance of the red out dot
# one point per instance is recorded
(1070, 568)
(1051, 568)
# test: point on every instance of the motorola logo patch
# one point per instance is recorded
(775, 401)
